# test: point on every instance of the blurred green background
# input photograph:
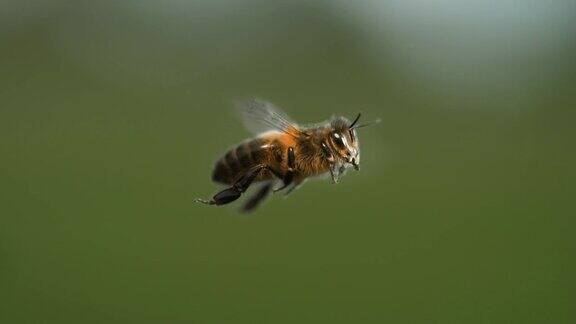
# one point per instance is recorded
(113, 112)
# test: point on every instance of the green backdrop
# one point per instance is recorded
(113, 113)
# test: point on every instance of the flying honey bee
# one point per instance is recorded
(284, 151)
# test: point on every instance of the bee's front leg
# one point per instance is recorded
(333, 165)
(335, 173)
(341, 170)
(337, 169)
(288, 177)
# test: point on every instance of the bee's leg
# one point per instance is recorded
(335, 173)
(297, 184)
(288, 179)
(255, 200)
(330, 158)
(227, 196)
(289, 175)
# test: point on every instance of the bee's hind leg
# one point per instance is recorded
(257, 198)
(229, 195)
(224, 197)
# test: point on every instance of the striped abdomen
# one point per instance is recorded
(239, 159)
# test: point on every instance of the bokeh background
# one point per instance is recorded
(113, 112)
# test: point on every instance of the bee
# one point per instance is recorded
(283, 151)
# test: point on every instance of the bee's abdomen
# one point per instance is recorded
(238, 160)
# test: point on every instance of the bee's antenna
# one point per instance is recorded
(355, 120)
(367, 124)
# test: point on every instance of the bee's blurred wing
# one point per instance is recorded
(260, 116)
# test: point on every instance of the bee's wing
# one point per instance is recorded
(260, 116)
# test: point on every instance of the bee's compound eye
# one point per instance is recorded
(338, 139)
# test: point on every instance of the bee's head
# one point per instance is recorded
(344, 141)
